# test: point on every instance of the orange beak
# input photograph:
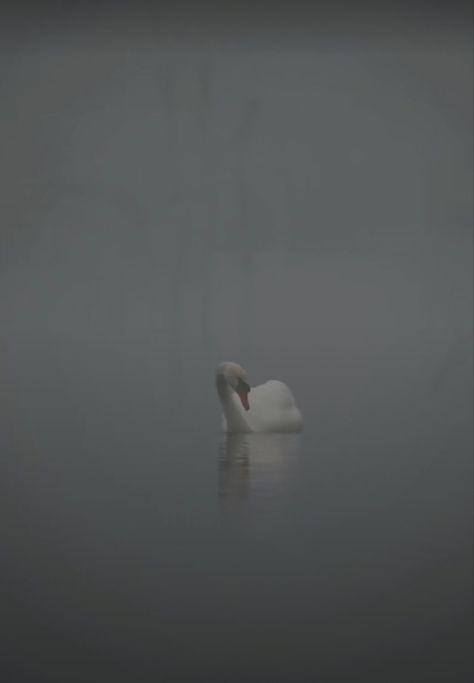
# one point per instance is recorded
(244, 398)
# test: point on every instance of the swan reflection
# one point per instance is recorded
(255, 465)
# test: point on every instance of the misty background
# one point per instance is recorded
(170, 200)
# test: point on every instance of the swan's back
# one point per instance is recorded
(273, 408)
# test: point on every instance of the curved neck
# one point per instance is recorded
(233, 413)
(223, 388)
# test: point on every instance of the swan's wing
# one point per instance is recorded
(274, 393)
(273, 407)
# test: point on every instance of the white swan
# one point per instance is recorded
(269, 408)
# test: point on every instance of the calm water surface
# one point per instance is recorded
(137, 551)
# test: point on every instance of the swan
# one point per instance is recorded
(270, 407)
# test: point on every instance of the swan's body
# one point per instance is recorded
(269, 407)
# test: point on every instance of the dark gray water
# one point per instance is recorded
(305, 210)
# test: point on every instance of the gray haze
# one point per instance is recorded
(304, 209)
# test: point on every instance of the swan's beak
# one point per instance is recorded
(244, 398)
(243, 391)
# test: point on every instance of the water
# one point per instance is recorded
(306, 214)
(137, 552)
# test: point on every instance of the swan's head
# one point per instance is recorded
(236, 377)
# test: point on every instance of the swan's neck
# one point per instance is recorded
(223, 388)
(235, 418)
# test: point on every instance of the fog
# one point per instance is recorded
(303, 207)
